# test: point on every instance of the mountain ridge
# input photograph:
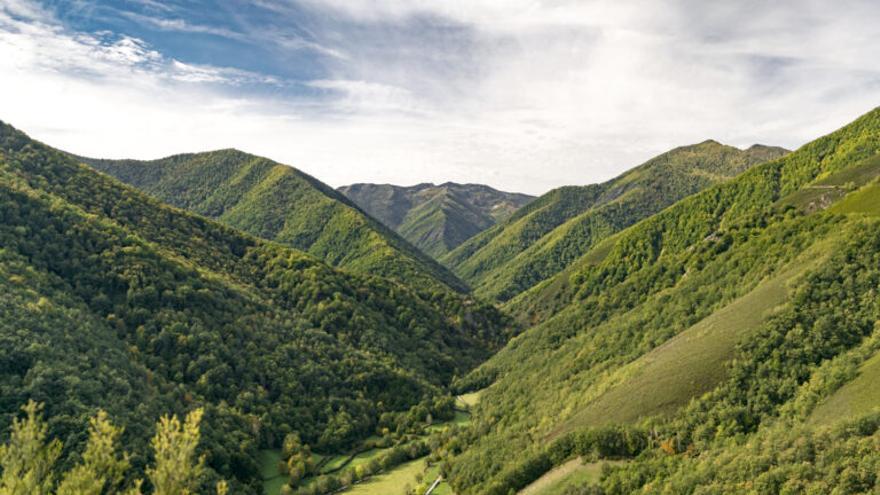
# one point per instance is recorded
(542, 238)
(710, 324)
(281, 203)
(435, 217)
(168, 310)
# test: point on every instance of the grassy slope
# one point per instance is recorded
(856, 398)
(280, 203)
(436, 218)
(574, 473)
(865, 201)
(654, 280)
(860, 395)
(566, 224)
(693, 362)
(198, 313)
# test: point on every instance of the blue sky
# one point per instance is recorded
(523, 95)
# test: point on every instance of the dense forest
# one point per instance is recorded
(280, 203)
(436, 218)
(114, 301)
(714, 333)
(559, 227)
(688, 340)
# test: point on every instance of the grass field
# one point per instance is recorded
(443, 488)
(272, 479)
(572, 473)
(859, 175)
(689, 364)
(335, 462)
(865, 201)
(461, 418)
(829, 190)
(858, 397)
(365, 457)
(392, 482)
(471, 399)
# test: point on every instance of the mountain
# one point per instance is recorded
(436, 218)
(723, 345)
(110, 299)
(543, 238)
(277, 202)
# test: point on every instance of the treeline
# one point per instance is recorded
(564, 224)
(664, 275)
(113, 301)
(28, 460)
(277, 202)
(400, 433)
(330, 483)
(611, 442)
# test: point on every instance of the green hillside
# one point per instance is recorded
(559, 227)
(436, 218)
(280, 203)
(110, 299)
(689, 334)
(727, 343)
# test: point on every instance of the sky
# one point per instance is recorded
(522, 95)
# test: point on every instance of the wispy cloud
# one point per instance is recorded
(33, 40)
(181, 25)
(523, 95)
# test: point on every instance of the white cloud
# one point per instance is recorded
(181, 25)
(520, 94)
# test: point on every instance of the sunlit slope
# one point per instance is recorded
(694, 361)
(701, 257)
(564, 224)
(858, 397)
(278, 202)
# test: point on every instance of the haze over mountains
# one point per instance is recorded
(436, 218)
(704, 323)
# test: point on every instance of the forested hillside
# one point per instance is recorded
(560, 226)
(110, 299)
(721, 346)
(277, 202)
(436, 218)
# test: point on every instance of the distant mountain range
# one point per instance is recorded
(543, 238)
(436, 218)
(278, 202)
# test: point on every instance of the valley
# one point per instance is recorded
(729, 306)
(439, 247)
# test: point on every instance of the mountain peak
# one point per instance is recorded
(435, 217)
(279, 202)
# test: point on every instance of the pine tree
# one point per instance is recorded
(27, 459)
(177, 469)
(101, 466)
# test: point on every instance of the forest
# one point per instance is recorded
(113, 301)
(715, 333)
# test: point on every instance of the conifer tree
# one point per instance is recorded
(27, 459)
